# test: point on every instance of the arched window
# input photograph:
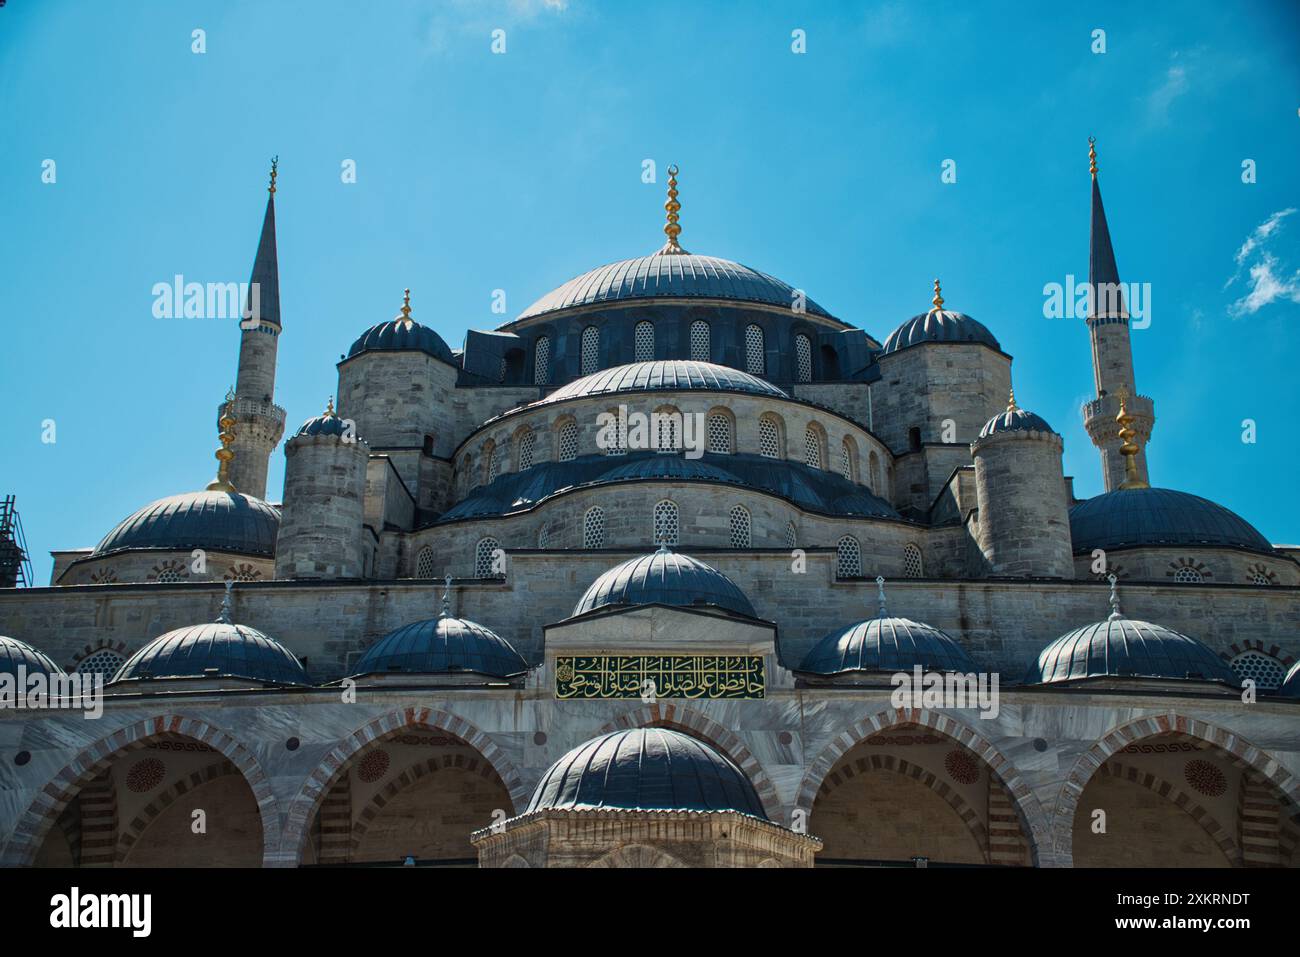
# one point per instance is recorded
(669, 429)
(719, 428)
(501, 372)
(424, 563)
(104, 662)
(527, 443)
(486, 555)
(791, 536)
(848, 558)
(802, 358)
(812, 448)
(568, 441)
(593, 528)
(740, 526)
(544, 537)
(755, 360)
(700, 351)
(542, 361)
(644, 341)
(1187, 575)
(590, 350)
(873, 466)
(1265, 670)
(847, 456)
(620, 436)
(769, 437)
(665, 523)
(912, 566)
(493, 465)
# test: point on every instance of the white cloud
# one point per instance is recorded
(1162, 98)
(460, 18)
(1267, 280)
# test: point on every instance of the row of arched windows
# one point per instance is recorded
(700, 349)
(719, 439)
(665, 525)
(848, 559)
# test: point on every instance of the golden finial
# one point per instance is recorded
(1130, 448)
(672, 228)
(406, 307)
(1092, 156)
(329, 406)
(275, 162)
(1011, 401)
(224, 454)
(938, 298)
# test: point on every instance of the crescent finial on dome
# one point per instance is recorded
(672, 228)
(938, 298)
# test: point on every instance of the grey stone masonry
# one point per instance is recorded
(324, 499)
(1024, 524)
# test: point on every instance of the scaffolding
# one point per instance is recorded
(15, 566)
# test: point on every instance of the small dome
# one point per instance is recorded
(1127, 648)
(221, 521)
(664, 578)
(327, 423)
(1290, 686)
(665, 375)
(669, 277)
(646, 769)
(886, 644)
(441, 646)
(664, 466)
(939, 325)
(1158, 516)
(216, 650)
(1014, 419)
(400, 335)
(14, 653)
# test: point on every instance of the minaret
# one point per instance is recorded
(1112, 353)
(259, 422)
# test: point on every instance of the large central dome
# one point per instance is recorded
(679, 276)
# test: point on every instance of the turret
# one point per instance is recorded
(322, 517)
(259, 422)
(1024, 523)
(1112, 352)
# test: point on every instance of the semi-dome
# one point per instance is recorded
(646, 769)
(939, 325)
(885, 643)
(1158, 516)
(668, 467)
(220, 521)
(1127, 648)
(664, 578)
(665, 375)
(214, 651)
(1290, 686)
(679, 276)
(442, 645)
(1014, 419)
(15, 653)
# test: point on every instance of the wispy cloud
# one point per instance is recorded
(1267, 280)
(458, 18)
(1172, 86)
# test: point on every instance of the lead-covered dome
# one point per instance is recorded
(443, 645)
(1158, 516)
(939, 325)
(1127, 648)
(886, 644)
(665, 375)
(677, 276)
(327, 423)
(219, 650)
(665, 578)
(1014, 419)
(15, 653)
(220, 521)
(402, 334)
(668, 466)
(646, 769)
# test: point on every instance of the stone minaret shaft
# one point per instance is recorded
(259, 422)
(1112, 354)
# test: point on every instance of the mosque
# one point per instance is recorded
(484, 626)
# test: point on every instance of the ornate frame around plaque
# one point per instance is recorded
(659, 676)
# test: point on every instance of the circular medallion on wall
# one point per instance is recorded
(962, 767)
(1205, 777)
(145, 775)
(373, 766)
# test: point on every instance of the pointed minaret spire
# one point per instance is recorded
(1112, 357)
(260, 423)
(672, 228)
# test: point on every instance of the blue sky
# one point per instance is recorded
(478, 171)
